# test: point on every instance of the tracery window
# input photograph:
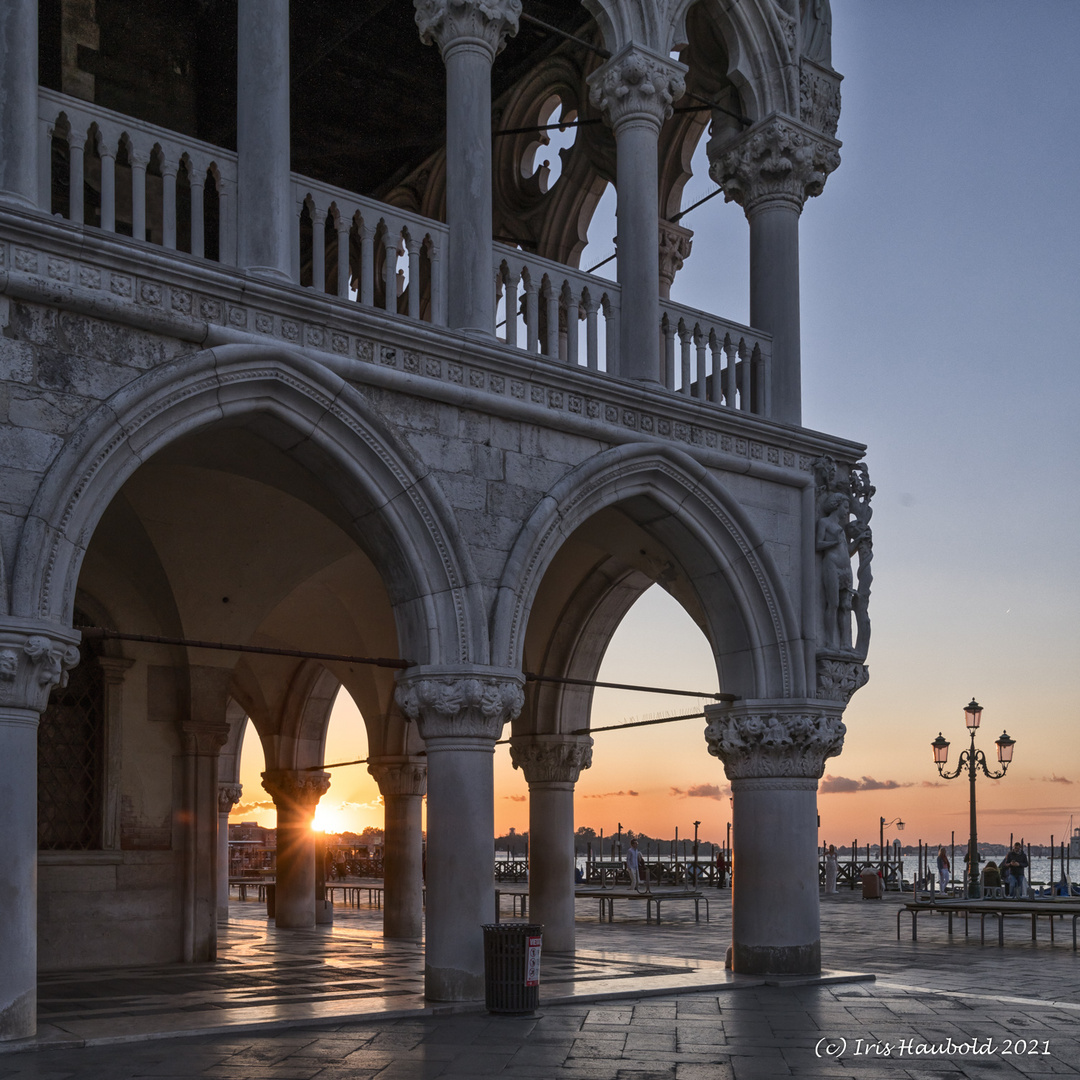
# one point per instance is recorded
(71, 759)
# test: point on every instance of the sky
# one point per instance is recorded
(940, 283)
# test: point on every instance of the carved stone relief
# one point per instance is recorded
(547, 758)
(472, 705)
(758, 740)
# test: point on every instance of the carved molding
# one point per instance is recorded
(763, 739)
(675, 245)
(33, 661)
(399, 776)
(296, 788)
(203, 738)
(777, 158)
(839, 676)
(228, 795)
(449, 23)
(637, 84)
(463, 704)
(545, 758)
(819, 97)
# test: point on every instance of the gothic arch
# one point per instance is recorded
(744, 609)
(396, 512)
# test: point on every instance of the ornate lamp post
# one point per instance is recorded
(972, 760)
(881, 840)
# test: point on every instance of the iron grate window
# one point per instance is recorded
(70, 761)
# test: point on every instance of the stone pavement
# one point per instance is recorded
(940, 1008)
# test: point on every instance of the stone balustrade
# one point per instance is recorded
(104, 169)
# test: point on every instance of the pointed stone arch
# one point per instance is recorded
(396, 513)
(745, 610)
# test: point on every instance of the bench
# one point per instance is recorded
(996, 908)
(519, 898)
(607, 898)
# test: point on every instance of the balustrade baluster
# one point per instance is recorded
(742, 377)
(592, 343)
(318, 248)
(366, 294)
(138, 195)
(731, 351)
(551, 347)
(168, 205)
(717, 351)
(611, 336)
(532, 317)
(414, 277)
(197, 177)
(668, 329)
(572, 310)
(510, 290)
(685, 335)
(108, 186)
(700, 342)
(46, 129)
(390, 247)
(343, 227)
(226, 221)
(294, 255)
(77, 148)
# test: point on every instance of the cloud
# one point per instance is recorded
(705, 791)
(248, 807)
(1053, 778)
(611, 794)
(516, 798)
(841, 785)
(932, 783)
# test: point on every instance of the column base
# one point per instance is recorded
(19, 1019)
(450, 984)
(777, 959)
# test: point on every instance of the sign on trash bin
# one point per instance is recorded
(532, 961)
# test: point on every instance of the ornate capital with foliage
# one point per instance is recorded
(838, 677)
(484, 23)
(399, 775)
(296, 788)
(778, 158)
(228, 795)
(33, 660)
(545, 758)
(637, 84)
(774, 739)
(460, 703)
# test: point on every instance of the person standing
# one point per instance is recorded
(633, 866)
(831, 870)
(1014, 866)
(943, 868)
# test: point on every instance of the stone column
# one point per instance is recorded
(469, 33)
(635, 90)
(552, 765)
(770, 171)
(202, 742)
(19, 103)
(774, 754)
(296, 793)
(460, 713)
(403, 784)
(34, 658)
(228, 797)
(264, 187)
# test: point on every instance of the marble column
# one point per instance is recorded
(19, 103)
(459, 712)
(34, 658)
(403, 783)
(774, 753)
(469, 33)
(264, 202)
(296, 793)
(770, 171)
(228, 797)
(552, 765)
(635, 90)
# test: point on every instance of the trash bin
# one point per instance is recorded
(512, 967)
(871, 885)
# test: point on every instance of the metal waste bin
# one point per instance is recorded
(512, 967)
(871, 885)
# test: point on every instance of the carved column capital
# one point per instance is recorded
(839, 676)
(228, 795)
(675, 245)
(544, 758)
(819, 97)
(34, 658)
(637, 84)
(203, 737)
(774, 738)
(296, 787)
(480, 23)
(473, 702)
(778, 159)
(399, 775)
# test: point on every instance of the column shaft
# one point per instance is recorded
(403, 873)
(774, 299)
(295, 877)
(460, 866)
(551, 862)
(264, 186)
(471, 297)
(19, 131)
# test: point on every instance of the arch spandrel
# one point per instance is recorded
(745, 609)
(397, 512)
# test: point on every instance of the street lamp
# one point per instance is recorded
(972, 760)
(881, 840)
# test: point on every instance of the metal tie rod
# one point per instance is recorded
(532, 677)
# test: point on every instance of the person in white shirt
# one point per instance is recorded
(633, 865)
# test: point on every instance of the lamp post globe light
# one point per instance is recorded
(972, 760)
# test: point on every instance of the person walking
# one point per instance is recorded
(943, 868)
(633, 866)
(831, 869)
